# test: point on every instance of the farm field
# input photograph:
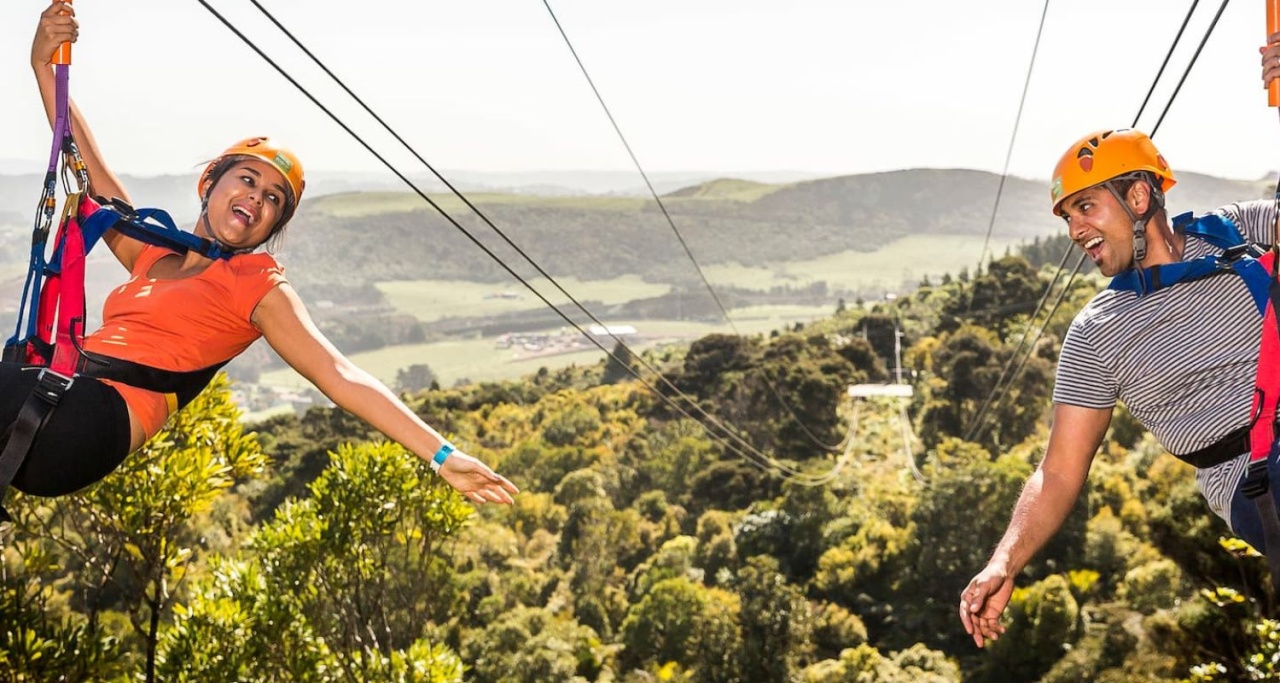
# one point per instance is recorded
(431, 300)
(479, 360)
(899, 266)
(902, 262)
(931, 255)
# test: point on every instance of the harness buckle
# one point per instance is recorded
(51, 385)
(1256, 480)
(1239, 251)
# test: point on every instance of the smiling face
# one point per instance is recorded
(1099, 225)
(245, 203)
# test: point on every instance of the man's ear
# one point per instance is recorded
(1140, 196)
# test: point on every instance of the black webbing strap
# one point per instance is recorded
(40, 404)
(185, 385)
(1227, 448)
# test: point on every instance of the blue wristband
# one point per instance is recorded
(441, 455)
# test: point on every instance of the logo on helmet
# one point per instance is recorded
(1056, 189)
(282, 163)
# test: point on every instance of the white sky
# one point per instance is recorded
(826, 86)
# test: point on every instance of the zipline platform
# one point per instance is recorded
(873, 390)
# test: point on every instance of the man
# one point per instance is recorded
(1182, 357)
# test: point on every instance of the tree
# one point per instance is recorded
(774, 619)
(533, 645)
(415, 378)
(38, 641)
(1042, 625)
(135, 532)
(620, 366)
(660, 628)
(346, 581)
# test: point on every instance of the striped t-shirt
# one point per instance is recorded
(1182, 359)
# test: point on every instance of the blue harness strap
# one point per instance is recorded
(153, 226)
(1237, 256)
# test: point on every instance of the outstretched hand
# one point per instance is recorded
(982, 603)
(475, 480)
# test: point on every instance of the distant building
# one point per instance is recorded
(611, 330)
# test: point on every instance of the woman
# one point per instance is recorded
(186, 312)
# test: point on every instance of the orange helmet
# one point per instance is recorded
(264, 149)
(1106, 154)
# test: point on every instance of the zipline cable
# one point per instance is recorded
(1013, 137)
(777, 394)
(1000, 385)
(998, 393)
(753, 455)
(1187, 72)
(1165, 63)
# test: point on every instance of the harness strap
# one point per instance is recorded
(1264, 448)
(62, 305)
(1227, 448)
(184, 385)
(1258, 270)
(31, 419)
(153, 226)
(1239, 256)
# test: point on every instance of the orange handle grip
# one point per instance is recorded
(63, 53)
(1273, 26)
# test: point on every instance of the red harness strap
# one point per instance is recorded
(62, 308)
(1262, 436)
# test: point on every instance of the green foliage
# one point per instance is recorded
(620, 366)
(660, 627)
(965, 368)
(1043, 623)
(775, 621)
(783, 395)
(533, 645)
(39, 641)
(959, 518)
(1008, 289)
(135, 533)
(641, 550)
(415, 378)
(343, 583)
(1152, 586)
(834, 629)
(916, 664)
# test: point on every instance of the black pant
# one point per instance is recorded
(85, 438)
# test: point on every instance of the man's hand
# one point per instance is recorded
(983, 601)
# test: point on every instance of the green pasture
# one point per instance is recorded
(726, 188)
(899, 265)
(356, 204)
(902, 262)
(480, 360)
(430, 300)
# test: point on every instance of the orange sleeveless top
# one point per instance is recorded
(184, 324)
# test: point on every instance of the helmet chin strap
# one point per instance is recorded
(1139, 226)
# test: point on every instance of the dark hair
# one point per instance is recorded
(220, 167)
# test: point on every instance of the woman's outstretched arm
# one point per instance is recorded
(287, 326)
